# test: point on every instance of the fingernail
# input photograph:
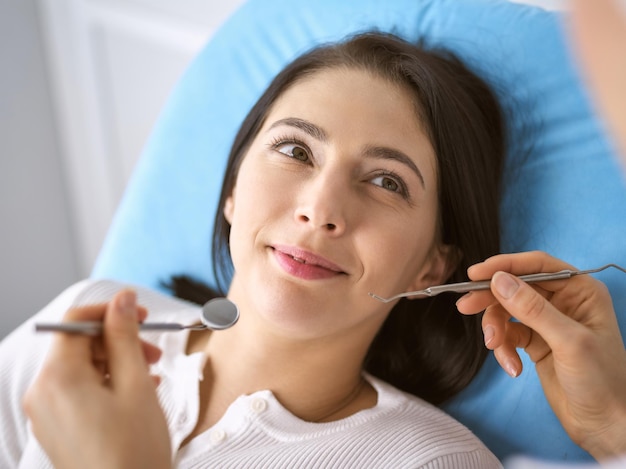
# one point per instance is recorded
(463, 298)
(128, 302)
(505, 284)
(473, 266)
(489, 334)
(511, 368)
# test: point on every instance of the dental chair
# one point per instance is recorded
(563, 189)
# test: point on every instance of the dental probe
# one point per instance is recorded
(464, 287)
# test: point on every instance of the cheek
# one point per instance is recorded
(256, 197)
(403, 249)
(257, 200)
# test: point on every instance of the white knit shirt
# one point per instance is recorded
(401, 431)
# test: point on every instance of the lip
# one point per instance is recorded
(305, 264)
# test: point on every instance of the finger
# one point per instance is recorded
(508, 358)
(531, 308)
(519, 336)
(475, 302)
(151, 353)
(519, 264)
(127, 364)
(496, 320)
(99, 358)
(70, 348)
(494, 325)
(156, 380)
(75, 350)
(68, 363)
(98, 352)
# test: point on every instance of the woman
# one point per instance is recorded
(593, 380)
(367, 166)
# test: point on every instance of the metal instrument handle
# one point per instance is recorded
(464, 287)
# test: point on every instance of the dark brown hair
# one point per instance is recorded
(425, 346)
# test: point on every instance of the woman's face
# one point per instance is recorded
(336, 197)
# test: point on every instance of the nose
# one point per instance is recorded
(322, 204)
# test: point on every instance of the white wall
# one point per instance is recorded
(82, 82)
(112, 64)
(81, 85)
(37, 255)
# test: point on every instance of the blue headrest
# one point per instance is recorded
(566, 196)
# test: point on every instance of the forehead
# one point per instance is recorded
(357, 107)
(334, 86)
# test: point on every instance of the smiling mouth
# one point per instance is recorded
(305, 264)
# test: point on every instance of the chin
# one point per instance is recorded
(295, 313)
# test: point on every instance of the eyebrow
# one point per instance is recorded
(311, 129)
(386, 153)
(377, 152)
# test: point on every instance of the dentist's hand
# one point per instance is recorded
(569, 330)
(94, 403)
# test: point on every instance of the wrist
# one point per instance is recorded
(609, 443)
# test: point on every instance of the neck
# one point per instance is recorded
(296, 372)
(306, 376)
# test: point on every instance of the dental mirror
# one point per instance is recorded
(219, 314)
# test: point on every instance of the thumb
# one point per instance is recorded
(530, 308)
(122, 342)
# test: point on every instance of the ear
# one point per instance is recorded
(442, 263)
(229, 208)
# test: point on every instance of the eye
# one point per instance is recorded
(293, 150)
(389, 182)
